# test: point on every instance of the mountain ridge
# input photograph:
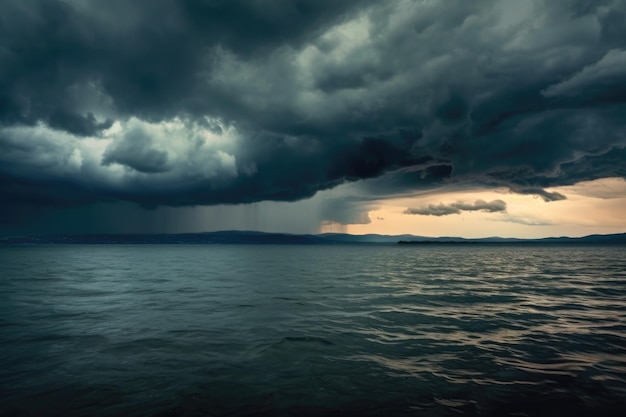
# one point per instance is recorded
(254, 237)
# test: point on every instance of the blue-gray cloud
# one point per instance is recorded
(540, 192)
(207, 102)
(456, 208)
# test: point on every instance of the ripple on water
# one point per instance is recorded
(341, 330)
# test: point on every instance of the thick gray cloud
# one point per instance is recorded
(433, 210)
(456, 208)
(540, 192)
(136, 152)
(206, 102)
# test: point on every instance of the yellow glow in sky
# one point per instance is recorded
(591, 207)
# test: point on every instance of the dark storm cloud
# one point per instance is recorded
(135, 151)
(148, 57)
(83, 125)
(207, 101)
(456, 208)
(540, 192)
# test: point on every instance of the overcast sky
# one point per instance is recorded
(432, 117)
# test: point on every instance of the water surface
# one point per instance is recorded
(104, 330)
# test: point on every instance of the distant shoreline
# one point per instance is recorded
(519, 242)
(260, 238)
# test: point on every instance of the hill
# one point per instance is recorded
(260, 238)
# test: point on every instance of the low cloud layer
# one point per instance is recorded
(456, 208)
(198, 102)
(545, 195)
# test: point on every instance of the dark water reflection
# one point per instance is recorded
(308, 330)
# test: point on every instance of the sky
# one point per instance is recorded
(430, 117)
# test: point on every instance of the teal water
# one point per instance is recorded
(312, 330)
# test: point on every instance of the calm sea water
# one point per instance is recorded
(312, 330)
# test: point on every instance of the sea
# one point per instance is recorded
(312, 330)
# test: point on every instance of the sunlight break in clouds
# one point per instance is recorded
(591, 207)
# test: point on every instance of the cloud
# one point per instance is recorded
(605, 189)
(136, 151)
(527, 220)
(609, 71)
(456, 208)
(197, 102)
(434, 210)
(547, 196)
